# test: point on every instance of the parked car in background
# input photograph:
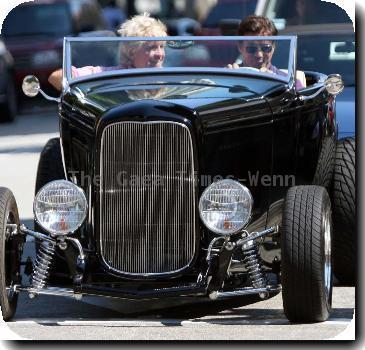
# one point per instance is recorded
(226, 9)
(182, 26)
(34, 32)
(330, 48)
(181, 181)
(299, 12)
(8, 100)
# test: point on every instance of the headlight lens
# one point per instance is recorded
(225, 206)
(60, 207)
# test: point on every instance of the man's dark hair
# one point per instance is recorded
(257, 25)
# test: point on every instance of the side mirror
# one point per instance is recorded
(31, 88)
(334, 84)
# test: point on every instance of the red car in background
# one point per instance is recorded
(34, 31)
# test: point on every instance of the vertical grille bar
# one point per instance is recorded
(147, 199)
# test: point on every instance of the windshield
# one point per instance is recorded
(50, 19)
(271, 57)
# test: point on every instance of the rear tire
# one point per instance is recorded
(343, 196)
(10, 253)
(306, 266)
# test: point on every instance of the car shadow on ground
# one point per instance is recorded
(50, 309)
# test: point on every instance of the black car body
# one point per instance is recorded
(168, 162)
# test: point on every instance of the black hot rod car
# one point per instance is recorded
(187, 180)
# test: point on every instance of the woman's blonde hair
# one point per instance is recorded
(142, 25)
(139, 26)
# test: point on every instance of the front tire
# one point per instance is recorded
(10, 254)
(306, 265)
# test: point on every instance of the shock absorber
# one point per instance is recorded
(253, 264)
(42, 265)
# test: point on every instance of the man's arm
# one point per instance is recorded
(55, 79)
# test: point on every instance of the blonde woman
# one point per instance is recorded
(147, 54)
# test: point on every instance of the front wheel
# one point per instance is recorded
(10, 253)
(306, 265)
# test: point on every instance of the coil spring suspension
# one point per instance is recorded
(43, 264)
(253, 264)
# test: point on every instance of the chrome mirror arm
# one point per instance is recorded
(318, 92)
(50, 98)
(333, 84)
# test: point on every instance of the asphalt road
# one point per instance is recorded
(96, 318)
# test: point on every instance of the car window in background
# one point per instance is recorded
(328, 54)
(296, 12)
(54, 19)
(229, 9)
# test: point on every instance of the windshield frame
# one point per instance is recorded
(289, 79)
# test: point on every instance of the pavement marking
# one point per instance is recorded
(169, 322)
(338, 321)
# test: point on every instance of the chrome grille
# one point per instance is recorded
(147, 197)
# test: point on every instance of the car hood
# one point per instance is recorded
(345, 112)
(193, 92)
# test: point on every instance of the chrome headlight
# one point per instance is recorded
(60, 207)
(225, 207)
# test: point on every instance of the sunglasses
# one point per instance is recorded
(254, 48)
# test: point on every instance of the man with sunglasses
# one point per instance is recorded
(258, 54)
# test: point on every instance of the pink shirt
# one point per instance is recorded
(87, 70)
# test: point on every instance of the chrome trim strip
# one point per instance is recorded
(139, 200)
(174, 38)
(63, 156)
(292, 62)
